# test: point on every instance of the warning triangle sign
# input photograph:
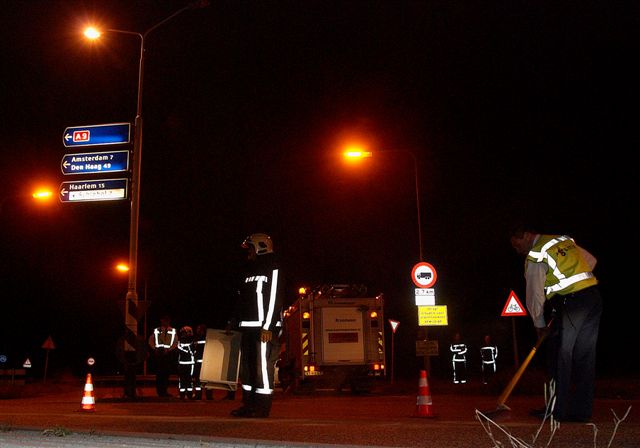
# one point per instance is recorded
(48, 344)
(27, 364)
(513, 307)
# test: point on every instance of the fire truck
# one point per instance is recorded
(333, 337)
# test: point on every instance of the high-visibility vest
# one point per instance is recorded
(489, 353)
(186, 353)
(459, 351)
(164, 338)
(568, 270)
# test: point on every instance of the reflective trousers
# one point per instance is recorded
(257, 370)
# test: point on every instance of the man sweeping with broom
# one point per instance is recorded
(559, 271)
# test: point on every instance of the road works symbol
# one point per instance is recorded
(513, 307)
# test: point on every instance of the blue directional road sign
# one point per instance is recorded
(93, 190)
(95, 162)
(99, 134)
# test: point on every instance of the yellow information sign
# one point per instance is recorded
(432, 315)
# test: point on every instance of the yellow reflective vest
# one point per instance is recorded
(568, 270)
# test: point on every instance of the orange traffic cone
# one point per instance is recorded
(424, 402)
(88, 400)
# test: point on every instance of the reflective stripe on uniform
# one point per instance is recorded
(264, 322)
(265, 389)
(540, 256)
(156, 334)
(566, 282)
(272, 299)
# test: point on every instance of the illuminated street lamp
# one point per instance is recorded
(42, 194)
(132, 294)
(357, 153)
(39, 195)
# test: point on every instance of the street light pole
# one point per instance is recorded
(360, 154)
(417, 186)
(131, 299)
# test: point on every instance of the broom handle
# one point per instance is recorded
(507, 390)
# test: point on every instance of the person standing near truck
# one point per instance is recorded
(260, 303)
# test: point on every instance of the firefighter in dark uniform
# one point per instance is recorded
(488, 355)
(260, 303)
(199, 342)
(186, 362)
(459, 359)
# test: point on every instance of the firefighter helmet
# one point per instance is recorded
(261, 243)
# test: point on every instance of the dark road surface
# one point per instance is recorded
(51, 416)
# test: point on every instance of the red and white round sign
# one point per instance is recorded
(424, 275)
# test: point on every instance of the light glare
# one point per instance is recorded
(357, 154)
(42, 195)
(92, 33)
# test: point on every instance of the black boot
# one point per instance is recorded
(247, 408)
(262, 406)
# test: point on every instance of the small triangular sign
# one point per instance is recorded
(27, 363)
(513, 307)
(394, 324)
(48, 344)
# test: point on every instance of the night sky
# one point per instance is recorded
(514, 110)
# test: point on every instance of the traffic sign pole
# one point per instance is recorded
(424, 276)
(514, 308)
(394, 326)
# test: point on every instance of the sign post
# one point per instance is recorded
(394, 326)
(424, 276)
(48, 345)
(513, 308)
